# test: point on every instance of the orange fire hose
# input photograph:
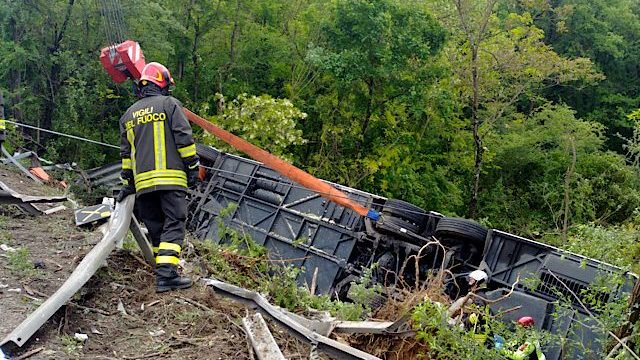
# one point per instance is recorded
(301, 177)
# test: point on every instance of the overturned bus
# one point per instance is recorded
(322, 237)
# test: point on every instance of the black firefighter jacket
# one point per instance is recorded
(156, 145)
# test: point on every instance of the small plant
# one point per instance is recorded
(364, 291)
(243, 262)
(443, 341)
(72, 346)
(129, 243)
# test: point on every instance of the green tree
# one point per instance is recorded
(262, 120)
(607, 32)
(529, 187)
(377, 68)
(499, 61)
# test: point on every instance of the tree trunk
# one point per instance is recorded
(234, 36)
(194, 59)
(181, 57)
(567, 191)
(15, 79)
(368, 112)
(479, 149)
(54, 83)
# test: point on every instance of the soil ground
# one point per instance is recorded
(118, 308)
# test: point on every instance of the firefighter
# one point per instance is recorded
(159, 162)
(3, 124)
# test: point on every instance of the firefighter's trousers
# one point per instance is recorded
(164, 213)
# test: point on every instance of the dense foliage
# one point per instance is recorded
(515, 113)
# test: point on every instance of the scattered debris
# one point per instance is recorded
(81, 337)
(118, 227)
(19, 166)
(33, 292)
(28, 354)
(143, 241)
(40, 174)
(261, 339)
(91, 214)
(324, 344)
(121, 308)
(7, 248)
(156, 333)
(54, 210)
(26, 202)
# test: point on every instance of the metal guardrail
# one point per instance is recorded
(321, 343)
(19, 166)
(116, 231)
(25, 202)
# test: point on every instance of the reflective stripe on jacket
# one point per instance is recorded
(3, 124)
(156, 144)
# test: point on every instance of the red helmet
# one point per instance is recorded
(526, 321)
(157, 74)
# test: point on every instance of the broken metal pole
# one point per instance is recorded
(116, 231)
(323, 343)
(19, 166)
(25, 202)
(142, 241)
(261, 338)
(9, 196)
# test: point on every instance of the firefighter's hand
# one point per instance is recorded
(193, 176)
(125, 191)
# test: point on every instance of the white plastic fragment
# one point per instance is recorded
(16, 290)
(109, 201)
(159, 332)
(7, 248)
(121, 308)
(81, 337)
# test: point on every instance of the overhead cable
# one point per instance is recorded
(62, 134)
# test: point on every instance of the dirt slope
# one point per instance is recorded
(118, 308)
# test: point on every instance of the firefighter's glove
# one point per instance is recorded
(125, 191)
(193, 174)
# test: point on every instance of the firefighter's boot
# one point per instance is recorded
(167, 279)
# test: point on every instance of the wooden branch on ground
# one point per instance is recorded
(30, 353)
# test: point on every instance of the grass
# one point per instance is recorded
(5, 236)
(20, 263)
(187, 316)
